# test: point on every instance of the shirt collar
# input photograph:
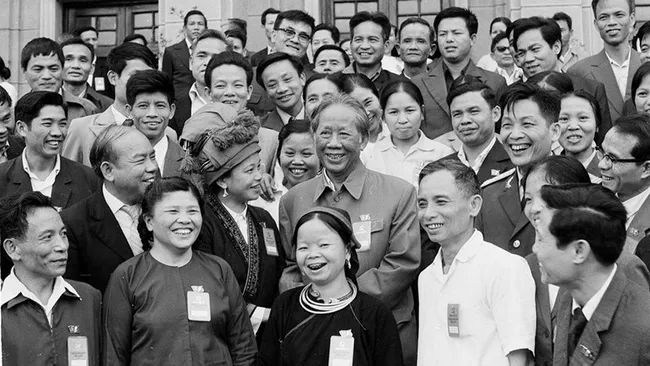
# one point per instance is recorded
(480, 158)
(469, 249)
(284, 116)
(113, 202)
(374, 77)
(189, 44)
(119, 117)
(12, 287)
(445, 68)
(590, 306)
(633, 204)
(55, 171)
(423, 144)
(82, 95)
(353, 183)
(236, 215)
(194, 93)
(625, 63)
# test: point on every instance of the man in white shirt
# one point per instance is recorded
(625, 169)
(602, 316)
(616, 64)
(150, 97)
(471, 310)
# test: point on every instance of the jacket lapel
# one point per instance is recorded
(183, 53)
(102, 121)
(635, 63)
(273, 121)
(509, 198)
(61, 190)
(561, 336)
(20, 177)
(105, 227)
(601, 70)
(639, 227)
(173, 159)
(437, 86)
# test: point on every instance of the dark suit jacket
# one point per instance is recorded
(272, 121)
(73, 183)
(182, 114)
(16, 146)
(434, 90)
(259, 56)
(176, 63)
(173, 159)
(259, 102)
(102, 102)
(385, 77)
(618, 332)
(596, 89)
(502, 220)
(496, 162)
(598, 68)
(633, 268)
(97, 244)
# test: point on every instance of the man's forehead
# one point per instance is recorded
(52, 58)
(299, 26)
(76, 48)
(532, 36)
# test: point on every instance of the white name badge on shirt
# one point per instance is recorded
(78, 351)
(453, 320)
(269, 242)
(99, 84)
(341, 351)
(362, 232)
(198, 305)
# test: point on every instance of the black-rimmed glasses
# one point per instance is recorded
(290, 33)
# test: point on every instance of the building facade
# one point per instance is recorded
(162, 21)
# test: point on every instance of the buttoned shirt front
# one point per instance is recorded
(240, 220)
(45, 185)
(12, 287)
(479, 159)
(160, 149)
(119, 117)
(285, 117)
(592, 304)
(633, 205)
(390, 160)
(494, 292)
(621, 71)
(125, 221)
(197, 100)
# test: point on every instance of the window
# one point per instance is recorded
(425, 9)
(146, 23)
(345, 9)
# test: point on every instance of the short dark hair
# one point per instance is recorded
(465, 178)
(212, 33)
(194, 12)
(294, 126)
(5, 73)
(378, 18)
(336, 35)
(498, 38)
(333, 78)
(455, 12)
(134, 36)
(78, 41)
(40, 47)
(5, 98)
(349, 82)
(461, 88)
(563, 16)
(77, 32)
(550, 30)
(228, 58)
(558, 170)
(239, 23)
(547, 101)
(119, 55)
(594, 4)
(504, 20)
(267, 12)
(587, 212)
(417, 20)
(639, 75)
(149, 81)
(405, 86)
(14, 210)
(636, 125)
(102, 148)
(325, 47)
(239, 34)
(638, 38)
(277, 57)
(554, 80)
(297, 16)
(29, 106)
(154, 194)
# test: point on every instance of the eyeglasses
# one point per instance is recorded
(290, 33)
(609, 159)
(502, 48)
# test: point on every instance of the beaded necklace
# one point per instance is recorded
(309, 300)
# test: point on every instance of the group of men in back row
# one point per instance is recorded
(47, 147)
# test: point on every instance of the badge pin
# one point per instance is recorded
(197, 288)
(494, 172)
(346, 333)
(73, 329)
(586, 352)
(364, 217)
(634, 232)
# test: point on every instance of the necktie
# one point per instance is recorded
(132, 235)
(578, 323)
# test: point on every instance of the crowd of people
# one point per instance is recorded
(378, 200)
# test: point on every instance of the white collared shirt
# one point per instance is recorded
(633, 205)
(189, 45)
(196, 99)
(621, 71)
(590, 306)
(517, 74)
(12, 287)
(119, 117)
(123, 219)
(284, 116)
(479, 159)
(496, 307)
(161, 151)
(44, 186)
(240, 220)
(82, 95)
(388, 159)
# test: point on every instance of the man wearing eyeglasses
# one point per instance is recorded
(625, 168)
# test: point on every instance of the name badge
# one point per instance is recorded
(362, 234)
(99, 84)
(453, 315)
(269, 242)
(78, 351)
(198, 305)
(341, 351)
